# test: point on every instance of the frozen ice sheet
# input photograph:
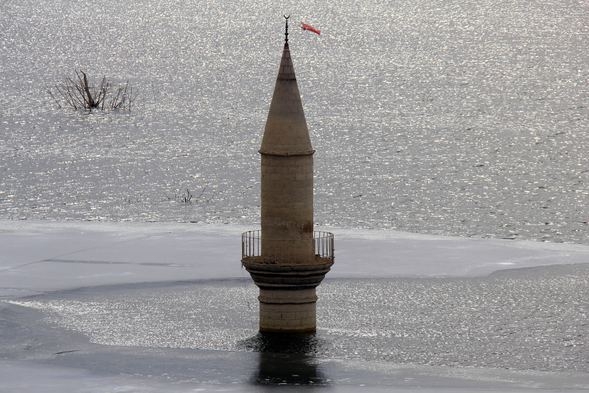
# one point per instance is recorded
(42, 256)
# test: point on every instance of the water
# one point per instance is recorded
(453, 117)
(532, 319)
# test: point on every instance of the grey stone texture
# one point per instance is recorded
(287, 208)
(288, 311)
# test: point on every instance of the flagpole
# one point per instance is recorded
(286, 28)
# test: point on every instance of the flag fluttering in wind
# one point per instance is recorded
(308, 27)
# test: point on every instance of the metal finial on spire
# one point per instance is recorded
(286, 28)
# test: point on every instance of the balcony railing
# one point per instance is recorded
(251, 244)
(323, 244)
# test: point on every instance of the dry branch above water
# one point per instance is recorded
(77, 93)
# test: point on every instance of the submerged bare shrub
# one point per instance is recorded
(187, 197)
(77, 93)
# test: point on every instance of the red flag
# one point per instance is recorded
(308, 27)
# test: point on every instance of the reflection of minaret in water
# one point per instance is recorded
(287, 260)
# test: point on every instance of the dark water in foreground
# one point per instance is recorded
(529, 319)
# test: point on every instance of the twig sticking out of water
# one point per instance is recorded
(78, 93)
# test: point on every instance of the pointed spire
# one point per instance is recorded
(286, 70)
(286, 131)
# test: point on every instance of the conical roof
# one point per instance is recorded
(286, 131)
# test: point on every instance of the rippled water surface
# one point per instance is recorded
(444, 116)
(533, 319)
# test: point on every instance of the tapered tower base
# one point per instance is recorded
(287, 292)
(290, 311)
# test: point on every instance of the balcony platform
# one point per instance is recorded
(276, 272)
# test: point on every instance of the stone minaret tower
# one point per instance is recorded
(288, 259)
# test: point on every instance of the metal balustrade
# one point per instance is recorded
(251, 245)
(323, 243)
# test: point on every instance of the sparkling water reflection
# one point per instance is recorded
(445, 116)
(533, 319)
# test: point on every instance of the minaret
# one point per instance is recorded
(287, 259)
